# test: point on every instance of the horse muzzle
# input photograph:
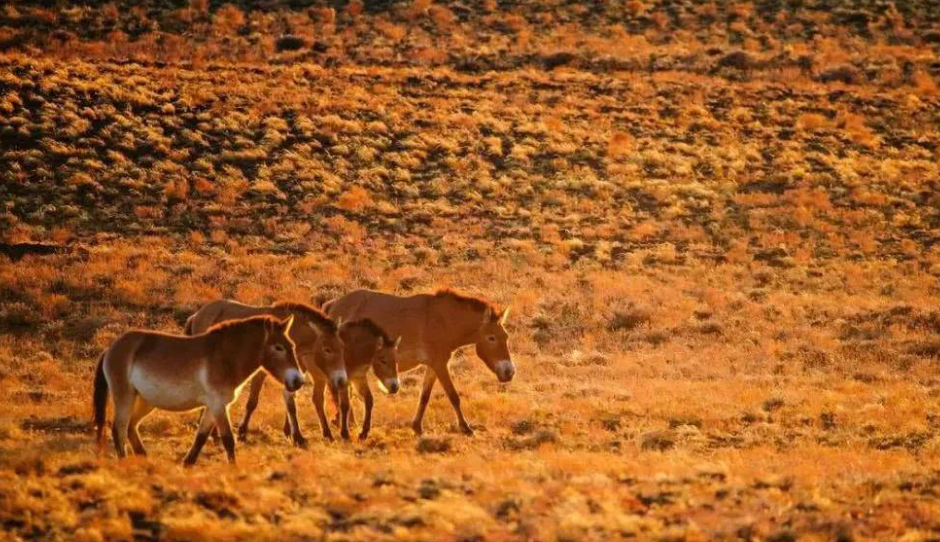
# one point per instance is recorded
(391, 385)
(504, 370)
(293, 380)
(338, 379)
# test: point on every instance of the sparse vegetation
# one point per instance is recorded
(716, 225)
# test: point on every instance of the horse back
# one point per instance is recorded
(218, 311)
(397, 315)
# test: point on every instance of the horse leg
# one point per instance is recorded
(429, 379)
(141, 410)
(351, 413)
(318, 387)
(214, 432)
(257, 382)
(202, 434)
(292, 421)
(444, 376)
(123, 409)
(363, 387)
(344, 412)
(220, 415)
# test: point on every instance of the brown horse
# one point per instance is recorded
(367, 345)
(147, 369)
(319, 348)
(432, 326)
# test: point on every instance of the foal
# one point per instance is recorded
(319, 349)
(367, 345)
(147, 369)
(432, 326)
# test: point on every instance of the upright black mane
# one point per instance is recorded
(313, 314)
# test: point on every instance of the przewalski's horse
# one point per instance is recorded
(147, 369)
(367, 345)
(431, 327)
(319, 348)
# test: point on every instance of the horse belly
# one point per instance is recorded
(176, 394)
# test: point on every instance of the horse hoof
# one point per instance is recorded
(242, 436)
(345, 436)
(363, 436)
(328, 436)
(466, 430)
(416, 427)
(300, 442)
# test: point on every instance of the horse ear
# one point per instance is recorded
(503, 316)
(398, 341)
(379, 343)
(288, 323)
(268, 325)
(487, 315)
(316, 329)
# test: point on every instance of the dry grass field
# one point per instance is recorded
(717, 226)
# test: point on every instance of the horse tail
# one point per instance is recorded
(101, 398)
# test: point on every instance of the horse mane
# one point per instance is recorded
(229, 324)
(369, 325)
(313, 314)
(477, 303)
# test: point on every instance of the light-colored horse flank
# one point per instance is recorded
(431, 327)
(319, 349)
(146, 370)
(367, 345)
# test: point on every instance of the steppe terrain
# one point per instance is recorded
(717, 226)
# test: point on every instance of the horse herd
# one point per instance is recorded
(227, 344)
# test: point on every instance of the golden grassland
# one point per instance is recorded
(716, 224)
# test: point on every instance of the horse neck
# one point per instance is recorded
(242, 348)
(361, 349)
(459, 321)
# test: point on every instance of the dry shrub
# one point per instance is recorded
(430, 55)
(429, 445)
(82, 329)
(620, 144)
(929, 348)
(325, 16)
(739, 60)
(289, 42)
(533, 441)
(842, 74)
(924, 84)
(228, 19)
(354, 199)
(658, 441)
(628, 318)
(443, 18)
(812, 121)
(418, 8)
(391, 31)
(176, 189)
(204, 186)
(232, 187)
(854, 125)
(355, 8)
(18, 315)
(515, 23)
